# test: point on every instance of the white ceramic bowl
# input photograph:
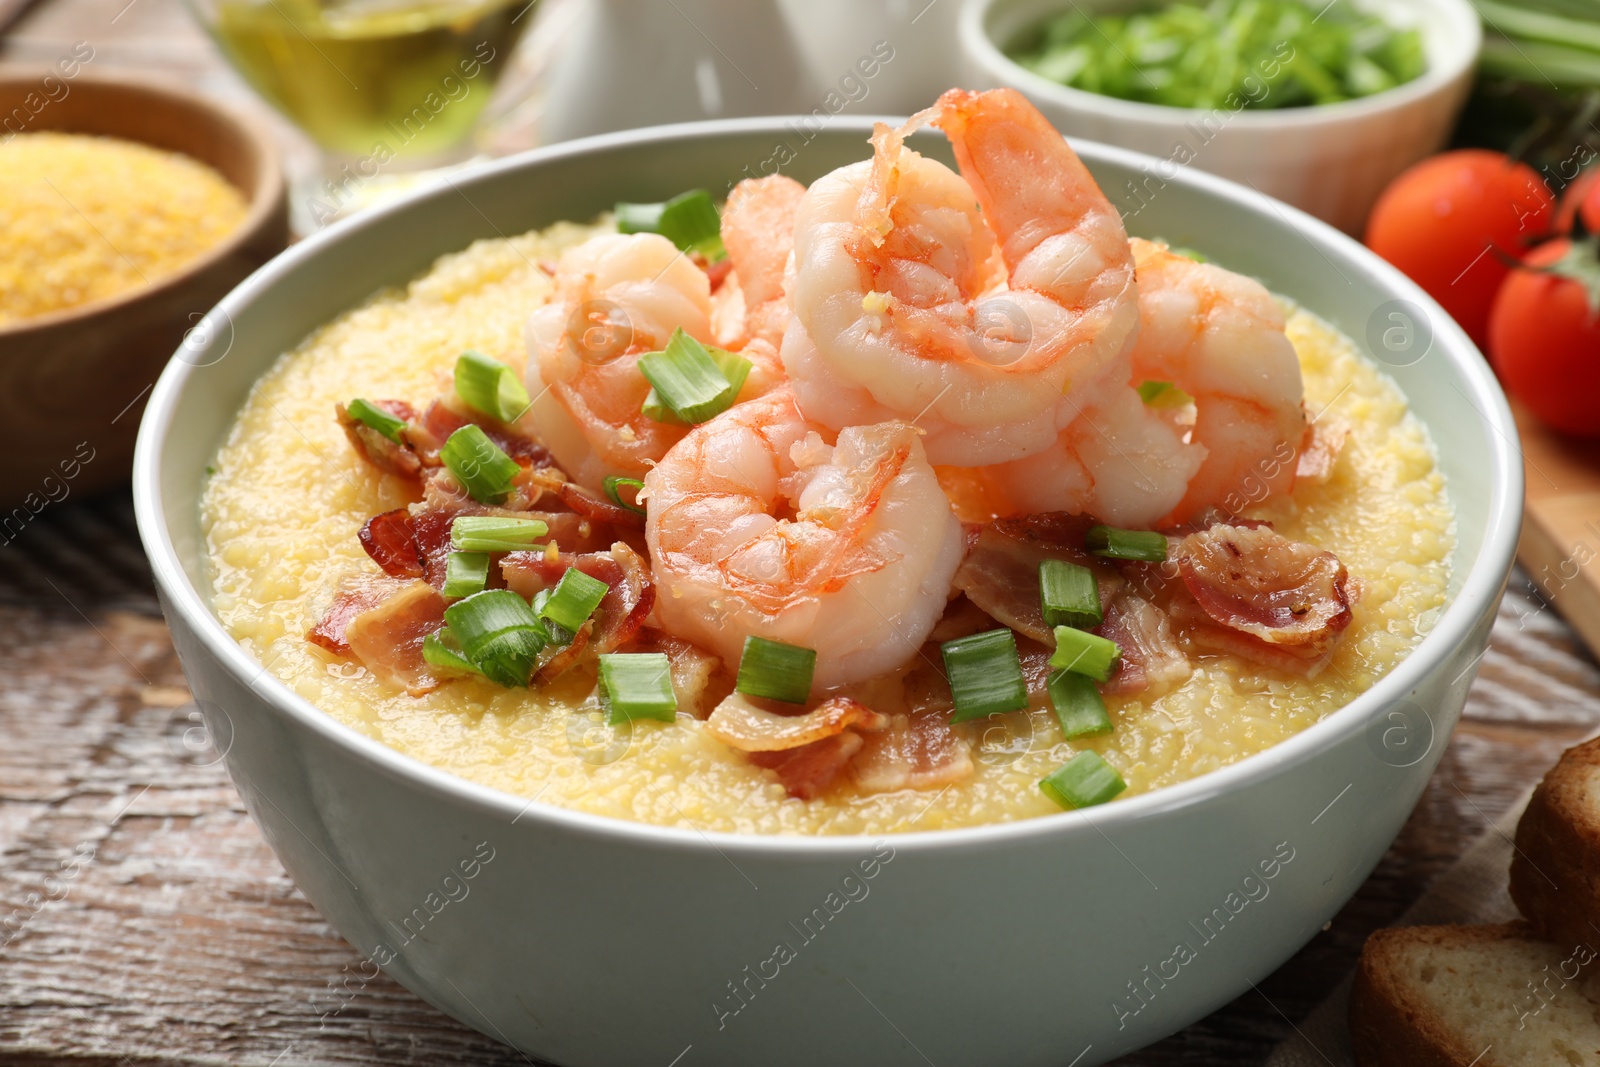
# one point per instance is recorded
(1332, 161)
(591, 941)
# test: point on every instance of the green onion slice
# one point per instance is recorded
(499, 634)
(441, 649)
(690, 383)
(1069, 595)
(374, 417)
(495, 533)
(1083, 781)
(775, 670)
(1163, 395)
(1078, 704)
(465, 573)
(637, 685)
(614, 484)
(1084, 653)
(479, 464)
(1112, 543)
(489, 386)
(985, 675)
(573, 600)
(689, 220)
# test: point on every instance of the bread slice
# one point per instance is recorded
(1473, 996)
(1555, 872)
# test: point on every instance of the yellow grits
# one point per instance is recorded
(282, 510)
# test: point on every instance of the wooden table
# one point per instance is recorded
(143, 919)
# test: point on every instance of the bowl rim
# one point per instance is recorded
(1476, 595)
(269, 192)
(973, 36)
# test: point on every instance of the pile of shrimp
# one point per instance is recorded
(928, 345)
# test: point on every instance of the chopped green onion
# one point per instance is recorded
(612, 486)
(689, 382)
(775, 670)
(555, 634)
(499, 634)
(465, 573)
(440, 649)
(689, 220)
(483, 470)
(637, 685)
(374, 417)
(490, 386)
(985, 675)
(573, 600)
(495, 533)
(1145, 545)
(1189, 253)
(1083, 781)
(1163, 395)
(1085, 653)
(1078, 704)
(1069, 594)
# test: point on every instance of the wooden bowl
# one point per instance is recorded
(73, 382)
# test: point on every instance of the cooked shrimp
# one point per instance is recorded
(1219, 337)
(750, 309)
(617, 297)
(758, 526)
(970, 303)
(1118, 460)
(758, 232)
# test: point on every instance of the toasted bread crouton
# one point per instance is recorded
(1473, 996)
(1555, 873)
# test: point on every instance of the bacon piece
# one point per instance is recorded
(740, 723)
(617, 619)
(1151, 656)
(808, 770)
(1290, 597)
(1319, 451)
(355, 594)
(387, 638)
(580, 500)
(916, 751)
(392, 544)
(1001, 572)
(386, 455)
(961, 618)
(698, 679)
(445, 417)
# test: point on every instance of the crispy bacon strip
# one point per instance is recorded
(1290, 597)
(915, 751)
(386, 455)
(1001, 572)
(1319, 451)
(1151, 658)
(739, 723)
(580, 500)
(445, 417)
(391, 542)
(808, 770)
(355, 594)
(617, 619)
(387, 638)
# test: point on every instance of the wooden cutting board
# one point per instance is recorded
(1560, 546)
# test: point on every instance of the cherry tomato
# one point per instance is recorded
(1443, 220)
(1544, 336)
(1581, 199)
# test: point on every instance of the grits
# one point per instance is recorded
(288, 495)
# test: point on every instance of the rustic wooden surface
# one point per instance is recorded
(144, 920)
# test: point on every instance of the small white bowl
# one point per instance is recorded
(1332, 160)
